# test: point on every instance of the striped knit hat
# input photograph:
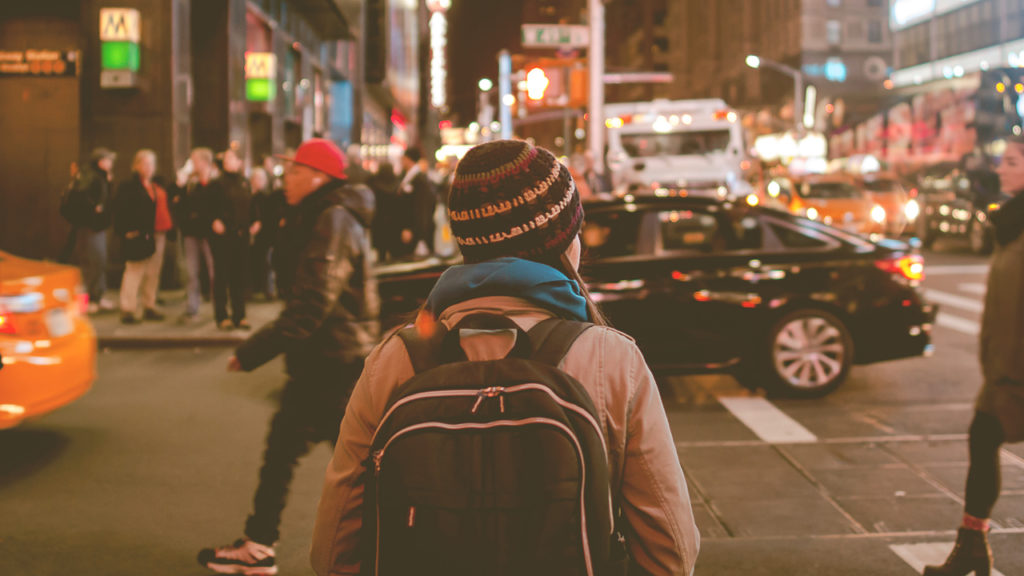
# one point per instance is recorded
(512, 199)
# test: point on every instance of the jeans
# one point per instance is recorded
(92, 249)
(230, 258)
(196, 248)
(144, 273)
(311, 411)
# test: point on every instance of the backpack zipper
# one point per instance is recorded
(378, 457)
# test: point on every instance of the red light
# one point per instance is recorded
(679, 276)
(6, 325)
(83, 303)
(721, 115)
(909, 267)
(830, 108)
(913, 192)
(444, 124)
(702, 296)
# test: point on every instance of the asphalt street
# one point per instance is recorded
(161, 458)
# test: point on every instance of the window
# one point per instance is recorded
(874, 2)
(834, 32)
(875, 32)
(834, 2)
(610, 234)
(791, 238)
(687, 230)
(678, 144)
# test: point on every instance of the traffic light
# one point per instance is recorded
(536, 83)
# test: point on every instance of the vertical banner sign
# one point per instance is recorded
(260, 76)
(438, 25)
(119, 47)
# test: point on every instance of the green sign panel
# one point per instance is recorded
(260, 89)
(119, 56)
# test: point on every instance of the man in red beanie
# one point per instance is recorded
(328, 326)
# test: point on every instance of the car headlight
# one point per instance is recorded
(912, 210)
(811, 213)
(878, 214)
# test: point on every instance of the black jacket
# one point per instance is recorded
(91, 190)
(190, 207)
(134, 214)
(269, 207)
(231, 203)
(332, 302)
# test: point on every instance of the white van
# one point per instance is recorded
(693, 144)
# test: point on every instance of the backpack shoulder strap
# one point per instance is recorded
(424, 353)
(552, 339)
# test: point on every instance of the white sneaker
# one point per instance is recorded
(243, 557)
(106, 305)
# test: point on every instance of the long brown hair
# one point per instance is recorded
(596, 316)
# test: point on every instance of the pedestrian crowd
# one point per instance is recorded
(225, 228)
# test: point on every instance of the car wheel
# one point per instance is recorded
(980, 237)
(807, 354)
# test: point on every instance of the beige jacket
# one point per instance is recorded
(643, 460)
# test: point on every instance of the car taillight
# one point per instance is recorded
(6, 322)
(909, 267)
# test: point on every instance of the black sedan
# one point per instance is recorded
(780, 301)
(958, 205)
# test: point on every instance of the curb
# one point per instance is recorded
(121, 342)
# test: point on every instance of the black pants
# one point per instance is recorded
(230, 262)
(983, 477)
(311, 411)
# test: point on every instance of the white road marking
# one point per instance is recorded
(954, 301)
(956, 270)
(926, 554)
(975, 288)
(768, 422)
(969, 327)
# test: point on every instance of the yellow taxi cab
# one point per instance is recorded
(836, 200)
(47, 345)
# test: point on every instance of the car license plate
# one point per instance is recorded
(58, 323)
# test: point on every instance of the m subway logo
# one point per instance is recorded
(119, 25)
(260, 65)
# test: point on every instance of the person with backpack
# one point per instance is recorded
(508, 430)
(328, 325)
(85, 206)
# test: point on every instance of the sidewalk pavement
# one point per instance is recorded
(201, 332)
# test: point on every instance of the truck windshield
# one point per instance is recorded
(676, 144)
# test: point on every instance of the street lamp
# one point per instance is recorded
(485, 84)
(756, 62)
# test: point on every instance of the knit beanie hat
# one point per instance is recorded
(509, 198)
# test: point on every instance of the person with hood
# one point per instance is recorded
(999, 410)
(522, 263)
(88, 201)
(328, 325)
(141, 220)
(234, 223)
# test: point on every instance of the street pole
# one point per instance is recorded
(798, 103)
(504, 89)
(596, 55)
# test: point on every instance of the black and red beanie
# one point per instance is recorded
(509, 198)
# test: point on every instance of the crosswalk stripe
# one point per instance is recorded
(947, 299)
(956, 270)
(969, 327)
(976, 288)
(767, 421)
(927, 554)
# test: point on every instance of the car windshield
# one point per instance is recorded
(882, 186)
(676, 144)
(829, 190)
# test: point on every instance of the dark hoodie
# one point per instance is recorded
(326, 278)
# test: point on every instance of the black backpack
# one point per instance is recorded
(494, 467)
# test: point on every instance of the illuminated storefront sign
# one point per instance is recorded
(119, 47)
(438, 47)
(260, 76)
(906, 13)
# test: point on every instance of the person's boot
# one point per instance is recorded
(972, 553)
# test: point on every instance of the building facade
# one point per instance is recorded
(842, 47)
(259, 76)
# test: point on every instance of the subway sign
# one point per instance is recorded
(120, 35)
(260, 76)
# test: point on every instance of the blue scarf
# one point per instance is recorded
(533, 281)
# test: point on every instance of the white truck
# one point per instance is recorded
(692, 144)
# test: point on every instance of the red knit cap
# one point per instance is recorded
(322, 155)
(509, 198)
